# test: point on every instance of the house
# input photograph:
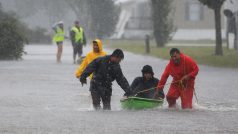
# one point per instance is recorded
(134, 20)
(192, 20)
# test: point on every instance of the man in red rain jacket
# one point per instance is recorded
(183, 69)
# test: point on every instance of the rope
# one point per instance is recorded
(146, 90)
(180, 83)
(195, 94)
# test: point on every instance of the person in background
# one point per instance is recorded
(78, 39)
(59, 36)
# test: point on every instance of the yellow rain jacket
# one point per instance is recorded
(89, 58)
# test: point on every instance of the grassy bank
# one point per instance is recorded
(202, 52)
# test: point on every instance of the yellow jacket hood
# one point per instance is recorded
(99, 42)
(89, 58)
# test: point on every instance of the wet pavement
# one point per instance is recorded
(39, 96)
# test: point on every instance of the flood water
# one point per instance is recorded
(39, 96)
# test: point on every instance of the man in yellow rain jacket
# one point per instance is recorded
(95, 53)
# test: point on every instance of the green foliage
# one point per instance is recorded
(162, 24)
(212, 3)
(207, 3)
(11, 38)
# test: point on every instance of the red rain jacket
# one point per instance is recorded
(187, 66)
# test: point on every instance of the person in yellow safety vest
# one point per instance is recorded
(78, 39)
(95, 53)
(59, 38)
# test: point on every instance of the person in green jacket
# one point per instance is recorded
(58, 38)
(78, 39)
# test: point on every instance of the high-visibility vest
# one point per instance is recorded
(59, 35)
(78, 34)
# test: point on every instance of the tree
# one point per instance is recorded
(216, 5)
(11, 37)
(97, 17)
(161, 22)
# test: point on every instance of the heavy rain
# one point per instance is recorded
(42, 90)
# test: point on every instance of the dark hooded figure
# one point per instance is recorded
(143, 86)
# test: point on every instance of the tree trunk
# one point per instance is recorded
(236, 31)
(157, 22)
(162, 26)
(218, 50)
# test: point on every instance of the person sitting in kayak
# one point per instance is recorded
(145, 86)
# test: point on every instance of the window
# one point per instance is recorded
(140, 17)
(194, 11)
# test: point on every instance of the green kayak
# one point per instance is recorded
(138, 103)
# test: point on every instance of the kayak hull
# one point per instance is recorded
(138, 103)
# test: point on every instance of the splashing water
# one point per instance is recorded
(220, 107)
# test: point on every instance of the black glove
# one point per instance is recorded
(127, 94)
(83, 80)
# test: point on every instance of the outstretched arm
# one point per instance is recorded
(160, 93)
(122, 81)
(162, 82)
(164, 78)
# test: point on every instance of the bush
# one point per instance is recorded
(11, 38)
